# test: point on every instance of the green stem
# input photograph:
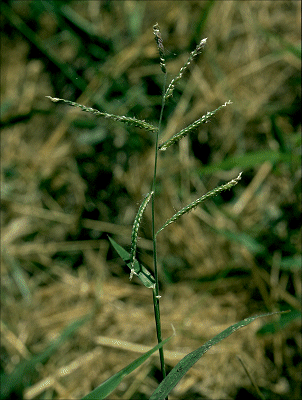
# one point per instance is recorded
(156, 289)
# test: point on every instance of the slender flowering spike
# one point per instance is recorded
(191, 127)
(135, 231)
(128, 120)
(160, 46)
(195, 203)
(193, 54)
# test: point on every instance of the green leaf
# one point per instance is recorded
(249, 160)
(143, 274)
(190, 359)
(291, 263)
(110, 384)
(245, 239)
(15, 20)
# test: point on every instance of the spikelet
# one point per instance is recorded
(127, 120)
(193, 54)
(191, 127)
(195, 203)
(135, 228)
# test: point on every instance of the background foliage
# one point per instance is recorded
(68, 179)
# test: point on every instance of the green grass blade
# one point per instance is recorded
(291, 263)
(190, 359)
(33, 38)
(249, 160)
(24, 370)
(244, 239)
(143, 274)
(110, 384)
(78, 21)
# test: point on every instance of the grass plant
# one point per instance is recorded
(136, 268)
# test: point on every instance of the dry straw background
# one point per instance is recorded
(69, 179)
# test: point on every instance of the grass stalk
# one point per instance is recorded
(156, 296)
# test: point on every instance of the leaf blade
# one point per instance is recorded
(190, 359)
(143, 274)
(110, 384)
